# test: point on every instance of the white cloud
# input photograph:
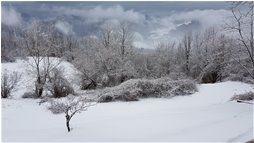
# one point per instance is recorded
(206, 19)
(140, 41)
(64, 27)
(111, 23)
(153, 29)
(140, 44)
(98, 14)
(10, 16)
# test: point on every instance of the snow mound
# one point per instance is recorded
(25, 67)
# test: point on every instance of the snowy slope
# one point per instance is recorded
(206, 116)
(28, 75)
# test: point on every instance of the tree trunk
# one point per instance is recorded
(68, 125)
(68, 122)
(40, 91)
(39, 87)
(122, 78)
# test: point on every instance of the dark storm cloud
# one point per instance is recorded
(152, 21)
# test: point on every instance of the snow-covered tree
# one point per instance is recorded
(87, 61)
(165, 57)
(187, 46)
(115, 52)
(38, 45)
(242, 25)
(69, 106)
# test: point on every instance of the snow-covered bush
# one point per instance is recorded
(134, 89)
(128, 96)
(245, 96)
(109, 80)
(29, 95)
(58, 85)
(184, 88)
(106, 98)
(239, 77)
(7, 58)
(9, 81)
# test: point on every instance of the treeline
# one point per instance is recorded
(109, 58)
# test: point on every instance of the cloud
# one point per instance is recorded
(153, 29)
(111, 23)
(207, 18)
(99, 14)
(140, 41)
(10, 16)
(153, 22)
(64, 27)
(173, 26)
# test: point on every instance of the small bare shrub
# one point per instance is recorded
(9, 83)
(69, 106)
(246, 96)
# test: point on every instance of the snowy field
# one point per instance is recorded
(206, 116)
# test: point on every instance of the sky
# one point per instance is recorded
(151, 22)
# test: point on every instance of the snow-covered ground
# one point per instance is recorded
(206, 116)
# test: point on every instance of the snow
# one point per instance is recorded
(24, 67)
(205, 116)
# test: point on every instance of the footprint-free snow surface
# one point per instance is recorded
(206, 116)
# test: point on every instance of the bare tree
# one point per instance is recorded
(34, 38)
(108, 50)
(87, 61)
(165, 58)
(115, 51)
(70, 106)
(9, 83)
(242, 24)
(187, 44)
(125, 40)
(38, 44)
(106, 36)
(70, 45)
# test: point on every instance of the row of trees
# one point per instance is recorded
(110, 58)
